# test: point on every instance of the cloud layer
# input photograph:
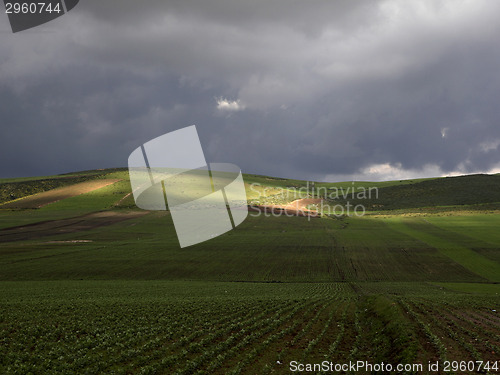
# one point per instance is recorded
(313, 90)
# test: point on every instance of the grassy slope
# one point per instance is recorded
(17, 188)
(452, 245)
(448, 191)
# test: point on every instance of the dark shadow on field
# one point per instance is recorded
(64, 226)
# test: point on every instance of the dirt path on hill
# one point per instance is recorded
(54, 195)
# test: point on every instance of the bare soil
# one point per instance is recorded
(64, 226)
(296, 208)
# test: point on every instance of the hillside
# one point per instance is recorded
(17, 188)
(103, 225)
(477, 189)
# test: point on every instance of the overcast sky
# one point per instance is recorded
(320, 90)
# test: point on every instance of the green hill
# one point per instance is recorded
(103, 226)
(16, 188)
(477, 189)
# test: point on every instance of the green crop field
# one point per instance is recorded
(90, 284)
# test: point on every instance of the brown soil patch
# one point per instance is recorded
(51, 196)
(64, 226)
(71, 241)
(296, 208)
(301, 204)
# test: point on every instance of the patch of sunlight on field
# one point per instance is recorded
(483, 227)
(433, 236)
(475, 288)
(96, 200)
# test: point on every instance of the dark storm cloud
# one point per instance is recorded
(316, 89)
